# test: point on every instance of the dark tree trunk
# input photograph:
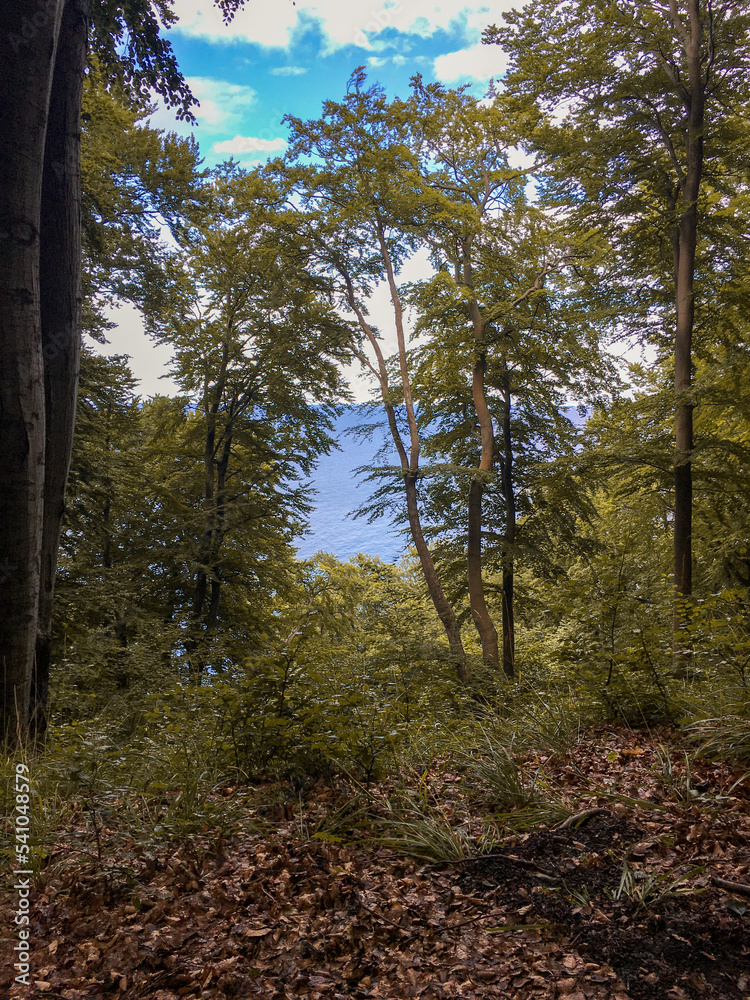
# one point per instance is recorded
(479, 613)
(60, 297)
(28, 40)
(509, 536)
(481, 616)
(214, 517)
(685, 249)
(211, 617)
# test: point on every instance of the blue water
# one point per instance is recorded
(340, 492)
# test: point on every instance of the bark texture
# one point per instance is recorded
(509, 536)
(60, 298)
(693, 95)
(28, 37)
(479, 611)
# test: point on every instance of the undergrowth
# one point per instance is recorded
(151, 773)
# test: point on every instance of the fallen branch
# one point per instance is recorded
(738, 887)
(580, 818)
(382, 916)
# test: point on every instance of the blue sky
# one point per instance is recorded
(282, 57)
(279, 57)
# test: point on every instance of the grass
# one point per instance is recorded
(652, 889)
(725, 738)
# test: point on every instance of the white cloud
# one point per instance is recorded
(148, 361)
(203, 19)
(341, 22)
(480, 62)
(221, 103)
(288, 71)
(249, 144)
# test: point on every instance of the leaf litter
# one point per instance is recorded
(627, 899)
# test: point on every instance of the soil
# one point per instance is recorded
(695, 945)
(622, 904)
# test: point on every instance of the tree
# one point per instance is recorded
(495, 332)
(362, 228)
(639, 110)
(44, 45)
(258, 349)
(135, 181)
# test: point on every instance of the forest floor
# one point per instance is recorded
(645, 898)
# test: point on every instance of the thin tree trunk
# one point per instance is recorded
(440, 601)
(409, 469)
(60, 295)
(482, 619)
(200, 587)
(219, 527)
(215, 480)
(685, 318)
(509, 536)
(28, 41)
(479, 613)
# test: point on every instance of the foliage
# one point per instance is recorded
(135, 182)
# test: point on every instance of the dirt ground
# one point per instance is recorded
(644, 896)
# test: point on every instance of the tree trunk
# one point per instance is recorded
(214, 507)
(685, 318)
(481, 616)
(28, 38)
(219, 525)
(440, 601)
(509, 536)
(479, 613)
(410, 462)
(60, 297)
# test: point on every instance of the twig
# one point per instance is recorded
(580, 818)
(738, 887)
(472, 920)
(639, 803)
(497, 911)
(382, 916)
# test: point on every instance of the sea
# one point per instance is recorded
(340, 492)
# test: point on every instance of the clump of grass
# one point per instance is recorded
(414, 822)
(679, 781)
(496, 769)
(429, 838)
(546, 722)
(654, 888)
(726, 738)
(519, 800)
(545, 812)
(493, 766)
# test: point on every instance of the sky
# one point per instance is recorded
(281, 57)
